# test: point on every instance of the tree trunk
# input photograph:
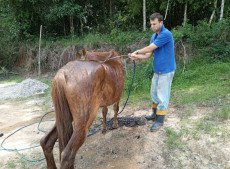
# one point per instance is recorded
(222, 10)
(166, 10)
(144, 15)
(39, 52)
(64, 26)
(185, 56)
(110, 9)
(213, 12)
(81, 26)
(71, 24)
(104, 8)
(185, 12)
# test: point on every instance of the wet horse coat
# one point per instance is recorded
(78, 90)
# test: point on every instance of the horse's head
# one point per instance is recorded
(97, 56)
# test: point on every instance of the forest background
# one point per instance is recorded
(120, 23)
(200, 30)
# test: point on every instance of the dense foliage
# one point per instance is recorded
(121, 20)
(62, 17)
(210, 41)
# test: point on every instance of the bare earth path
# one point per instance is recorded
(176, 145)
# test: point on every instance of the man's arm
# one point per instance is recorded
(147, 49)
(140, 56)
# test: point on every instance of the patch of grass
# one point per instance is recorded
(11, 164)
(12, 79)
(140, 99)
(22, 163)
(91, 38)
(225, 112)
(200, 82)
(180, 163)
(209, 124)
(174, 139)
(122, 135)
(189, 111)
(189, 129)
(224, 133)
(208, 127)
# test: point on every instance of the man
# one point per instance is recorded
(162, 45)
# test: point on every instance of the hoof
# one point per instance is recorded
(115, 126)
(103, 131)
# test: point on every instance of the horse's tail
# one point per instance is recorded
(63, 115)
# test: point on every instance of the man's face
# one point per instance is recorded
(156, 25)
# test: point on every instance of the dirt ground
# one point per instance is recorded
(123, 148)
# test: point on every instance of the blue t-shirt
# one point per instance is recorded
(164, 57)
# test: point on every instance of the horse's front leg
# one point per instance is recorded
(116, 109)
(104, 112)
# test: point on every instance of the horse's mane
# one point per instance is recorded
(97, 56)
(100, 56)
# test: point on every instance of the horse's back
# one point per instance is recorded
(81, 79)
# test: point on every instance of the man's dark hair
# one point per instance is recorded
(156, 15)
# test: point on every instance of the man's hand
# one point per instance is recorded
(133, 56)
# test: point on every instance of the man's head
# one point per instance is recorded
(156, 21)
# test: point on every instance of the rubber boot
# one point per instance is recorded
(158, 123)
(153, 116)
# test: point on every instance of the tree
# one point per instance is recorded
(222, 10)
(213, 12)
(166, 10)
(65, 9)
(185, 12)
(144, 15)
(110, 8)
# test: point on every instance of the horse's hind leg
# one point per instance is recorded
(104, 112)
(47, 144)
(116, 109)
(75, 142)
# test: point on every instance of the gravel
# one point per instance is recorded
(26, 88)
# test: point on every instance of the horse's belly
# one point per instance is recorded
(112, 92)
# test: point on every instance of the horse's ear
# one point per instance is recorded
(112, 53)
(83, 51)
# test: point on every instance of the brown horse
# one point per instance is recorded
(78, 90)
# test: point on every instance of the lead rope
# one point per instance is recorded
(114, 58)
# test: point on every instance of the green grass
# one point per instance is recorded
(72, 39)
(174, 139)
(11, 164)
(12, 79)
(200, 82)
(122, 134)
(23, 164)
(195, 130)
(225, 112)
